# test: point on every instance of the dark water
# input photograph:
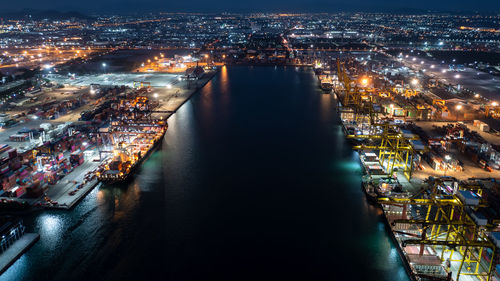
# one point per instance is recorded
(254, 181)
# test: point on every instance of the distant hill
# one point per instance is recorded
(47, 14)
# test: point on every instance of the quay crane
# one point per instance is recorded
(448, 228)
(395, 148)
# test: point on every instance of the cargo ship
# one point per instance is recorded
(377, 182)
(442, 228)
(128, 154)
(422, 262)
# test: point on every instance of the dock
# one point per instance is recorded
(443, 226)
(52, 178)
(16, 250)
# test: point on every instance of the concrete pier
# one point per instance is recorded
(16, 250)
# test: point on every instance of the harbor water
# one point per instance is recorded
(254, 181)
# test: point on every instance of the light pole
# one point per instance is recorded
(364, 81)
(104, 67)
(458, 108)
(447, 158)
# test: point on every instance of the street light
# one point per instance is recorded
(414, 81)
(364, 81)
(458, 108)
(494, 103)
(447, 158)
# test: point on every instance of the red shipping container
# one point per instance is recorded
(18, 191)
(12, 153)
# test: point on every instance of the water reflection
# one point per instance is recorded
(50, 225)
(326, 107)
(224, 81)
(261, 183)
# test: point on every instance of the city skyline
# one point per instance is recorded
(296, 6)
(258, 141)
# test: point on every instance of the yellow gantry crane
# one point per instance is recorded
(395, 148)
(353, 96)
(492, 111)
(449, 229)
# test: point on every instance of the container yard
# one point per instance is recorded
(132, 136)
(73, 137)
(430, 163)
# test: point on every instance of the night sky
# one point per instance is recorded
(126, 6)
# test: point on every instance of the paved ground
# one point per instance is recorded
(471, 168)
(490, 137)
(170, 98)
(48, 95)
(60, 191)
(67, 201)
(127, 79)
(5, 133)
(483, 83)
(16, 250)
